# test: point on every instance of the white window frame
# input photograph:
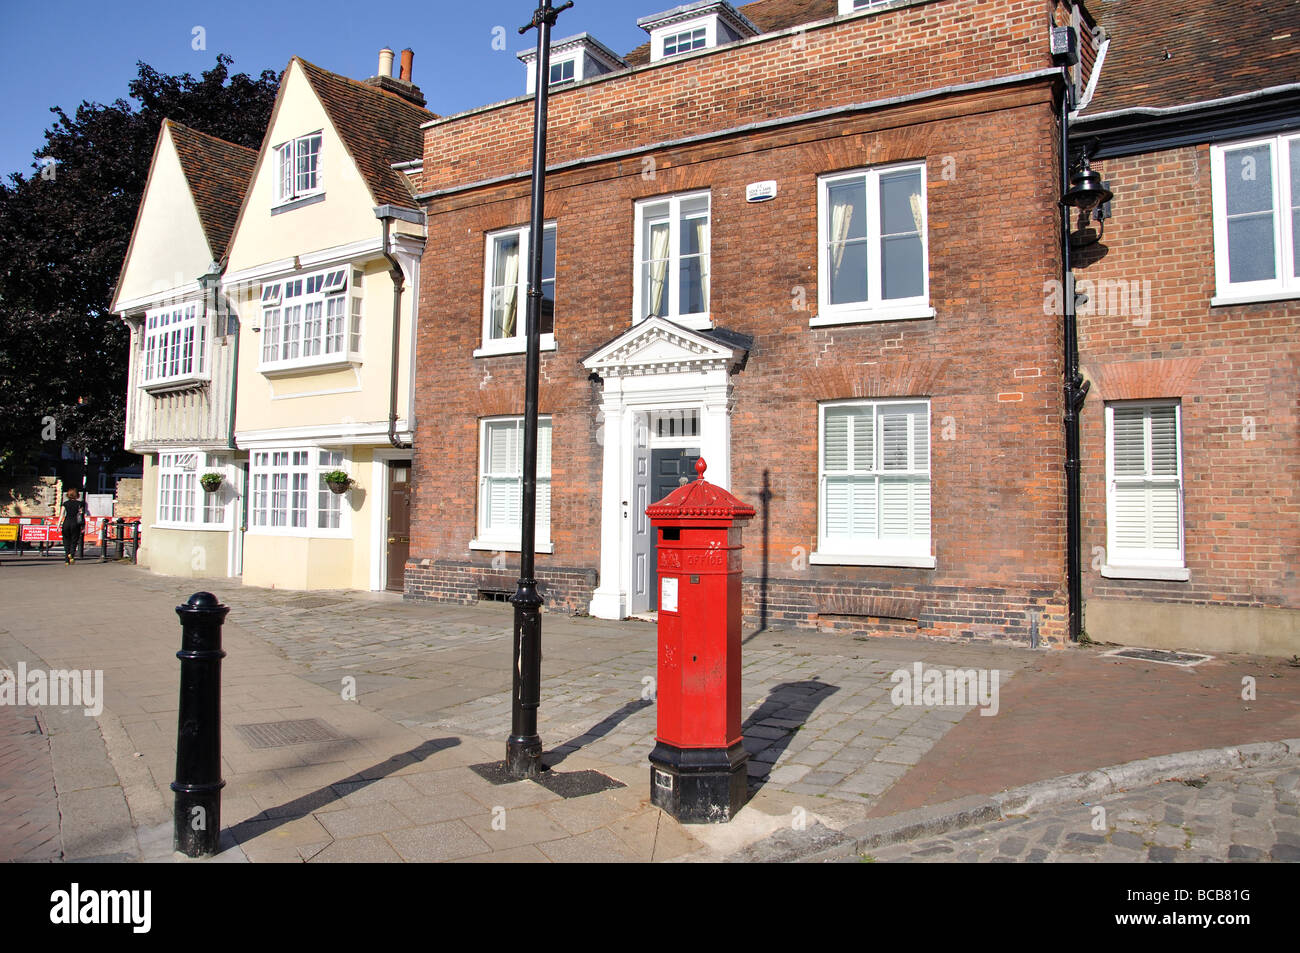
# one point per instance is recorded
(288, 156)
(560, 63)
(265, 518)
(913, 552)
(336, 296)
(659, 37)
(491, 539)
(1144, 564)
(875, 308)
(861, 6)
(174, 477)
(175, 337)
(699, 320)
(1286, 281)
(517, 343)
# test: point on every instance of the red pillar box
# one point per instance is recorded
(698, 765)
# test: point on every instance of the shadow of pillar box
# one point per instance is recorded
(698, 768)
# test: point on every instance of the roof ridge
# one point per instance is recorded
(206, 135)
(366, 87)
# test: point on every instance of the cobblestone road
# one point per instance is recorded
(1243, 816)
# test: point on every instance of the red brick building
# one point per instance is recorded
(805, 241)
(1191, 432)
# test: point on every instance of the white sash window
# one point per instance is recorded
(875, 483)
(1256, 199)
(505, 291)
(672, 259)
(1144, 480)
(873, 256)
(501, 467)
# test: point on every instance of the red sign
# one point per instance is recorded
(42, 534)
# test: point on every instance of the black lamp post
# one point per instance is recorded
(524, 746)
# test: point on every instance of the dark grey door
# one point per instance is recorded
(669, 469)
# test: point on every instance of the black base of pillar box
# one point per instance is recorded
(699, 785)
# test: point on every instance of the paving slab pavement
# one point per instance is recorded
(431, 686)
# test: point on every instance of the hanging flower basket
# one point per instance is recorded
(338, 481)
(211, 482)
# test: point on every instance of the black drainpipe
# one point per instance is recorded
(399, 282)
(1076, 391)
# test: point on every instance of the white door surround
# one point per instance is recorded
(654, 366)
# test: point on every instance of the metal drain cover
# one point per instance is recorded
(281, 734)
(1163, 656)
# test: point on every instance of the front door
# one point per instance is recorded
(669, 469)
(642, 531)
(399, 523)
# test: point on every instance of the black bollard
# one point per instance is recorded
(135, 542)
(198, 781)
(121, 538)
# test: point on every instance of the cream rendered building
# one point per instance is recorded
(182, 359)
(324, 267)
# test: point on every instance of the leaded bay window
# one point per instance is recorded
(289, 493)
(175, 344)
(1144, 485)
(872, 252)
(875, 482)
(182, 501)
(312, 319)
(1256, 192)
(501, 466)
(672, 259)
(505, 303)
(298, 168)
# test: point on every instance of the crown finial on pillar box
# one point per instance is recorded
(700, 467)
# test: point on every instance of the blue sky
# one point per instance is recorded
(61, 52)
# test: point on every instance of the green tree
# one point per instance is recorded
(64, 231)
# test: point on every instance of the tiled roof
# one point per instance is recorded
(1174, 52)
(768, 15)
(377, 127)
(218, 173)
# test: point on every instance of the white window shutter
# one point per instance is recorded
(835, 455)
(1129, 437)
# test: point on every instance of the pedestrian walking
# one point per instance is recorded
(74, 523)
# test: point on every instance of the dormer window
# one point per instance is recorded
(563, 72)
(298, 171)
(573, 59)
(696, 26)
(857, 6)
(685, 41)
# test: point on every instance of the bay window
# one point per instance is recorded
(182, 501)
(313, 319)
(175, 344)
(290, 495)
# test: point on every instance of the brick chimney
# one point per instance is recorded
(401, 84)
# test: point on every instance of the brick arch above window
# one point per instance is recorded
(898, 378)
(1146, 380)
(506, 400)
